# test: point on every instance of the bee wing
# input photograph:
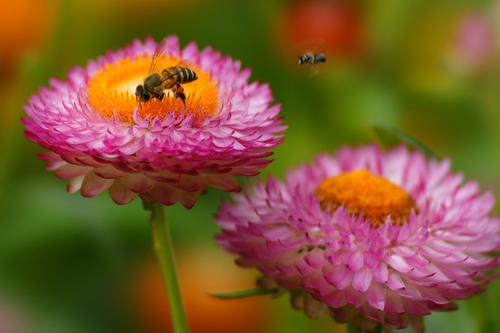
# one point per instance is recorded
(182, 63)
(160, 51)
(168, 77)
(314, 70)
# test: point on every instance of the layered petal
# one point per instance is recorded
(391, 273)
(169, 156)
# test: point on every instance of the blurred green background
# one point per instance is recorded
(72, 265)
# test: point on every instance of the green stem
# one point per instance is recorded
(164, 250)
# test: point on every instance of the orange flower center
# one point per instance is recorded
(366, 194)
(112, 90)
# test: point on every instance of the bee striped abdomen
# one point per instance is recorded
(186, 75)
(182, 74)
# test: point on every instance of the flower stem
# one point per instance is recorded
(164, 250)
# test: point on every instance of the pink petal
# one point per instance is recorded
(75, 184)
(188, 199)
(394, 282)
(93, 185)
(164, 194)
(355, 261)
(137, 183)
(376, 296)
(398, 263)
(362, 279)
(120, 194)
(381, 273)
(223, 182)
(338, 276)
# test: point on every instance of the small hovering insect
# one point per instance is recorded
(170, 78)
(312, 58)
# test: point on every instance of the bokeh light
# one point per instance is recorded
(202, 271)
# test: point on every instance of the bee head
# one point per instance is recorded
(320, 57)
(142, 94)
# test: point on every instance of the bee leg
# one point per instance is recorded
(161, 96)
(139, 101)
(181, 96)
(179, 93)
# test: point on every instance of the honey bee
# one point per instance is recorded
(170, 78)
(312, 58)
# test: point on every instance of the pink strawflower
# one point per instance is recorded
(373, 237)
(101, 138)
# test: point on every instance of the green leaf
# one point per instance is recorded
(245, 293)
(390, 136)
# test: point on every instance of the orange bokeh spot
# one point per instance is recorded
(25, 26)
(334, 27)
(201, 272)
(366, 194)
(112, 90)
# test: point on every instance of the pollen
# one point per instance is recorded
(111, 91)
(363, 193)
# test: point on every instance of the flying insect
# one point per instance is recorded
(312, 58)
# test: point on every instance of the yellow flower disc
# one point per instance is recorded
(366, 194)
(111, 91)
